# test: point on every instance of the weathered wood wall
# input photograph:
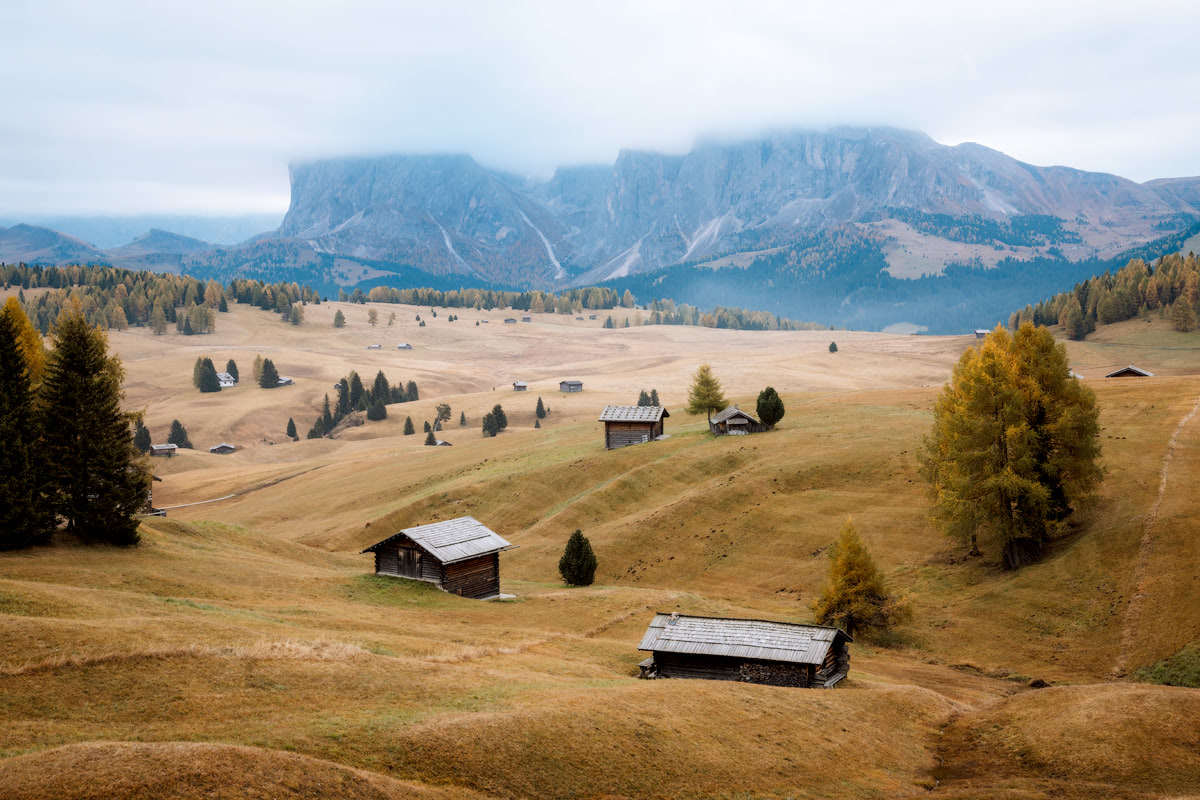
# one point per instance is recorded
(475, 577)
(621, 434)
(723, 668)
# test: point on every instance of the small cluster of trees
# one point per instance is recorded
(68, 449)
(204, 374)
(1171, 287)
(495, 421)
(706, 396)
(565, 302)
(353, 395)
(645, 399)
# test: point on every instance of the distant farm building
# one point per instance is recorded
(222, 448)
(591, 316)
(510, 321)
(374, 347)
(284, 381)
(748, 650)
(520, 386)
(462, 556)
(526, 319)
(404, 346)
(167, 450)
(1130, 372)
(626, 425)
(570, 386)
(580, 319)
(734, 422)
(981, 333)
(484, 321)
(226, 380)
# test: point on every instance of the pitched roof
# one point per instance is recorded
(452, 540)
(225, 376)
(633, 414)
(740, 638)
(732, 411)
(1130, 370)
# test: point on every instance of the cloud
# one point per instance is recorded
(202, 106)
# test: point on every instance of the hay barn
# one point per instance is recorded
(222, 448)
(733, 421)
(520, 386)
(167, 450)
(570, 386)
(748, 650)
(462, 556)
(626, 425)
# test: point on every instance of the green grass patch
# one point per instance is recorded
(1181, 669)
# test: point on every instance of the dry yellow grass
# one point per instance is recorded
(253, 621)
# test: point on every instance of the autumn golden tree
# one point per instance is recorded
(855, 597)
(705, 395)
(1015, 442)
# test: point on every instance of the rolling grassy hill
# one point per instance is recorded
(244, 647)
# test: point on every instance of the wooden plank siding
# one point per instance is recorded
(475, 577)
(727, 668)
(621, 434)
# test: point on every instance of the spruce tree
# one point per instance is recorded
(430, 439)
(537, 423)
(409, 430)
(705, 395)
(833, 347)
(770, 407)
(489, 425)
(270, 376)
(178, 435)
(339, 319)
(209, 382)
(654, 398)
(540, 411)
(343, 399)
(498, 415)
(462, 420)
(410, 391)
(29, 341)
(643, 398)
(855, 597)
(377, 410)
(578, 563)
(26, 516)
(100, 480)
(380, 390)
(357, 392)
(141, 437)
(231, 368)
(291, 430)
(428, 427)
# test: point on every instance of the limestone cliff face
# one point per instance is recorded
(448, 214)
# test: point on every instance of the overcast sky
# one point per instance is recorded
(121, 107)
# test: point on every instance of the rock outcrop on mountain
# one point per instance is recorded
(448, 214)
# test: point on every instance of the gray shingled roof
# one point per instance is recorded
(452, 540)
(740, 638)
(1130, 370)
(633, 414)
(732, 411)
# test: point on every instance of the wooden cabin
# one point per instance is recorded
(223, 448)
(284, 381)
(1130, 372)
(167, 450)
(510, 321)
(570, 386)
(520, 386)
(226, 380)
(526, 319)
(462, 556)
(626, 425)
(404, 346)
(733, 421)
(748, 650)
(374, 346)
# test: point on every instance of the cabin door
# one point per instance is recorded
(410, 562)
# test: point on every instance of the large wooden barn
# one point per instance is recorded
(462, 556)
(749, 650)
(625, 425)
(733, 421)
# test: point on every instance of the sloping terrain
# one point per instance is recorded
(252, 622)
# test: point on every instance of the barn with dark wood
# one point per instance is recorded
(570, 386)
(462, 556)
(734, 422)
(748, 650)
(1130, 372)
(625, 425)
(167, 450)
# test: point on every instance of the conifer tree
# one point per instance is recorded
(26, 516)
(540, 411)
(178, 435)
(427, 427)
(377, 410)
(855, 597)
(489, 425)
(409, 430)
(380, 390)
(231, 368)
(537, 423)
(654, 398)
(291, 430)
(270, 376)
(197, 371)
(209, 382)
(141, 437)
(643, 398)
(462, 419)
(158, 320)
(833, 347)
(327, 421)
(357, 392)
(430, 439)
(705, 395)
(257, 368)
(339, 319)
(344, 407)
(499, 416)
(1183, 317)
(100, 480)
(410, 392)
(578, 563)
(29, 341)
(770, 407)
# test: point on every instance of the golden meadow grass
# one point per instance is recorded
(253, 623)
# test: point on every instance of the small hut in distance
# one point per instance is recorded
(626, 425)
(1130, 372)
(733, 421)
(748, 650)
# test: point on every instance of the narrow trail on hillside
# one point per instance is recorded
(1133, 613)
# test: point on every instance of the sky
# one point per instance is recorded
(121, 108)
